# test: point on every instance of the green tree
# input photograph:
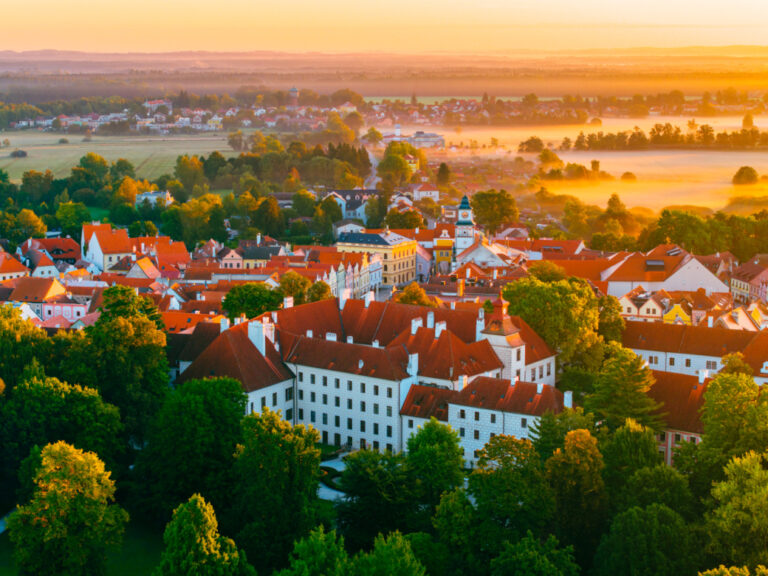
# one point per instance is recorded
(621, 391)
(319, 291)
(735, 364)
(547, 271)
(575, 476)
(71, 217)
(380, 496)
(28, 225)
(72, 520)
(610, 323)
(443, 175)
(549, 431)
(207, 414)
(436, 460)
(745, 175)
(193, 545)
(460, 538)
(652, 541)
(565, 314)
(391, 556)
(39, 411)
(274, 493)
(629, 449)
(373, 136)
(658, 484)
(189, 171)
(414, 294)
(395, 168)
(532, 557)
(321, 553)
(295, 285)
(737, 523)
(251, 299)
(735, 571)
(493, 209)
(20, 343)
(269, 218)
(304, 203)
(510, 491)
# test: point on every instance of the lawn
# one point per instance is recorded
(152, 155)
(138, 557)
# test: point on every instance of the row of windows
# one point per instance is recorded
(350, 423)
(288, 398)
(541, 371)
(337, 403)
(655, 360)
(492, 419)
(337, 384)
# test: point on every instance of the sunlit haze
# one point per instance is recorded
(396, 25)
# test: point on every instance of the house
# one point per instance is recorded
(398, 254)
(10, 267)
(750, 282)
(58, 249)
(105, 246)
(154, 198)
(35, 292)
(424, 190)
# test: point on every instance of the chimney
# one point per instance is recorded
(539, 388)
(375, 343)
(468, 273)
(256, 336)
(258, 239)
(288, 302)
(413, 364)
(460, 288)
(453, 305)
(464, 381)
(350, 340)
(439, 327)
(480, 324)
(703, 375)
(369, 297)
(269, 331)
(416, 323)
(416, 230)
(224, 324)
(710, 321)
(330, 336)
(309, 334)
(568, 399)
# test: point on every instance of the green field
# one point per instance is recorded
(138, 557)
(152, 155)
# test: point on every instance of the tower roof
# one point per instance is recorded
(464, 203)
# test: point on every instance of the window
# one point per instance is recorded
(541, 371)
(301, 376)
(312, 416)
(362, 425)
(461, 432)
(389, 410)
(671, 361)
(362, 406)
(349, 403)
(301, 394)
(349, 385)
(375, 444)
(677, 438)
(519, 354)
(389, 447)
(375, 389)
(337, 401)
(336, 382)
(263, 401)
(289, 414)
(662, 436)
(325, 418)
(533, 374)
(336, 421)
(462, 414)
(389, 431)
(349, 424)
(711, 364)
(493, 418)
(375, 428)
(274, 399)
(687, 362)
(312, 397)
(524, 423)
(549, 368)
(477, 434)
(389, 392)
(301, 413)
(311, 378)
(325, 399)
(362, 387)
(375, 408)
(410, 422)
(477, 416)
(325, 380)
(289, 393)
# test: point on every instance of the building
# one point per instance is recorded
(154, 197)
(465, 227)
(398, 254)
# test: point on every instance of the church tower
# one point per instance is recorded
(465, 227)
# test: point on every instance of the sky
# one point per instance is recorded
(412, 26)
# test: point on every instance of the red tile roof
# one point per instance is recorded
(681, 339)
(503, 395)
(427, 401)
(682, 398)
(9, 265)
(177, 321)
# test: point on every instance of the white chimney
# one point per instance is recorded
(480, 324)
(350, 340)
(269, 331)
(539, 388)
(495, 273)
(375, 343)
(430, 319)
(710, 321)
(224, 324)
(568, 399)
(439, 327)
(288, 302)
(309, 334)
(258, 239)
(330, 336)
(416, 323)
(274, 317)
(413, 364)
(464, 381)
(256, 336)
(369, 297)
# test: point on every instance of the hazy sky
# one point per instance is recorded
(371, 25)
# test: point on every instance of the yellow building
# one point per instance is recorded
(398, 254)
(443, 253)
(678, 313)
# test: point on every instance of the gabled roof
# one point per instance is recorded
(177, 321)
(681, 339)
(9, 265)
(383, 363)
(27, 289)
(426, 402)
(113, 241)
(320, 317)
(682, 398)
(503, 395)
(448, 357)
(232, 354)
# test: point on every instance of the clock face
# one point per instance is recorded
(464, 215)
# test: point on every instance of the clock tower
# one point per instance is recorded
(465, 227)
